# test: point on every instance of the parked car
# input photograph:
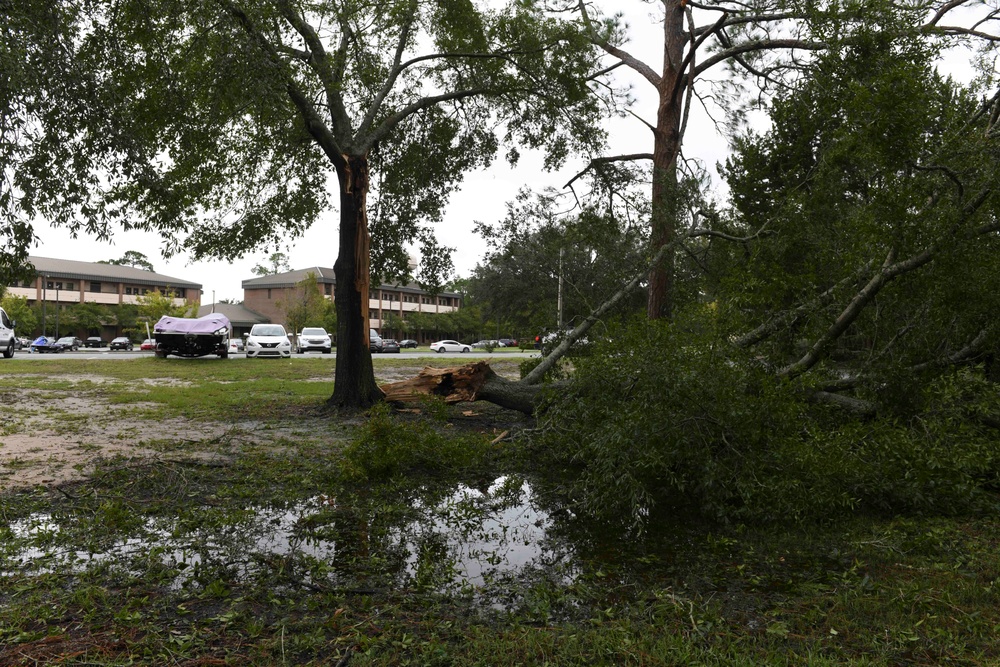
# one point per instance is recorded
(94, 341)
(508, 342)
(409, 343)
(121, 343)
(235, 344)
(191, 336)
(486, 344)
(23, 342)
(390, 345)
(313, 338)
(268, 340)
(449, 346)
(71, 343)
(45, 344)
(374, 341)
(148, 344)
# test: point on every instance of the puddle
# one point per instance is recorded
(461, 540)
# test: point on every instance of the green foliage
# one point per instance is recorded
(277, 263)
(874, 159)
(306, 306)
(660, 420)
(131, 258)
(154, 305)
(387, 446)
(596, 251)
(17, 309)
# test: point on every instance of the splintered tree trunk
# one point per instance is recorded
(666, 148)
(354, 383)
(472, 382)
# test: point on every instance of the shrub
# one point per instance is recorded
(660, 419)
(387, 446)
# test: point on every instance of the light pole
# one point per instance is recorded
(45, 296)
(58, 285)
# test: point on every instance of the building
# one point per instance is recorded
(60, 282)
(66, 281)
(268, 296)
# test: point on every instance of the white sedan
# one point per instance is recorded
(268, 340)
(449, 346)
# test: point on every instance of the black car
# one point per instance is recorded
(121, 343)
(94, 341)
(409, 343)
(71, 343)
(389, 345)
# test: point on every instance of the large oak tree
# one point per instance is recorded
(220, 124)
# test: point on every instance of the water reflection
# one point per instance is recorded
(461, 539)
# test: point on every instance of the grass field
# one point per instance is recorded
(175, 512)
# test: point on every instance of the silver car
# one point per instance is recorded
(313, 338)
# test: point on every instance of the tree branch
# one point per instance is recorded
(630, 61)
(604, 160)
(758, 45)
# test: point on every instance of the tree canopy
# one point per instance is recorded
(221, 125)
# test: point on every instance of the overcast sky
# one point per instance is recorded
(483, 195)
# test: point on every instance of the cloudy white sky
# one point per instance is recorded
(483, 195)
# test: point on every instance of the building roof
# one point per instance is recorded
(323, 276)
(238, 314)
(69, 268)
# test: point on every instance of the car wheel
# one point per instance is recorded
(299, 350)
(160, 354)
(327, 351)
(439, 350)
(464, 350)
(9, 352)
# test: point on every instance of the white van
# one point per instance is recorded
(7, 338)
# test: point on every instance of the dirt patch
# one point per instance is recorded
(49, 438)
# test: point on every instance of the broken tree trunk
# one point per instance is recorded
(471, 382)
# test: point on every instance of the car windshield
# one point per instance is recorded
(313, 332)
(65, 339)
(267, 330)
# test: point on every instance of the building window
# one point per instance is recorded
(95, 287)
(268, 292)
(328, 288)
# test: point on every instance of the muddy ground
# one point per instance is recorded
(54, 437)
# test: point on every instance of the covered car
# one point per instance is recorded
(45, 344)
(192, 337)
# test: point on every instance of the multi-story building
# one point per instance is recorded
(64, 281)
(269, 296)
(60, 282)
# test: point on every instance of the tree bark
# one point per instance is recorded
(468, 383)
(354, 381)
(666, 148)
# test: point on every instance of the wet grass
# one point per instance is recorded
(320, 540)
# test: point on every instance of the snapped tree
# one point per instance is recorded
(220, 124)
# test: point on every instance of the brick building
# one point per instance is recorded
(269, 295)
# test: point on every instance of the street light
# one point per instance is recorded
(58, 285)
(45, 296)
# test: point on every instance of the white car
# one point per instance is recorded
(449, 346)
(268, 340)
(313, 338)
